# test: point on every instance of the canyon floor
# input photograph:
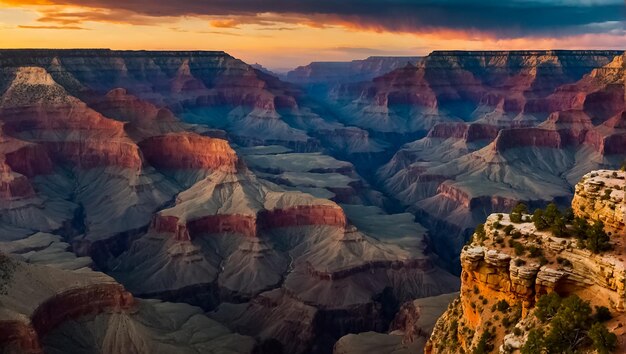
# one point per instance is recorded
(188, 202)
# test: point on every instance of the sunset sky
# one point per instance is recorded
(282, 34)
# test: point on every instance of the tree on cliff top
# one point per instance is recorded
(571, 327)
(517, 212)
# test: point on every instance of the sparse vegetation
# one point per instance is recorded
(480, 232)
(603, 340)
(592, 237)
(571, 327)
(517, 213)
(564, 262)
(502, 306)
(519, 262)
(484, 344)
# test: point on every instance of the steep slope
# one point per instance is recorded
(55, 304)
(494, 87)
(204, 87)
(329, 73)
(509, 267)
(461, 172)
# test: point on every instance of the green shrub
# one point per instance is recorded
(602, 314)
(519, 249)
(534, 343)
(547, 306)
(564, 262)
(597, 240)
(484, 344)
(480, 232)
(502, 305)
(534, 251)
(517, 213)
(603, 340)
(539, 221)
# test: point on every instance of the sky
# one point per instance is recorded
(282, 34)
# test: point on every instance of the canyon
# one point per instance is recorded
(180, 201)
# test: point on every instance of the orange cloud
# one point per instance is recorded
(229, 23)
(53, 27)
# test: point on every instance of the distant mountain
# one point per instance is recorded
(345, 72)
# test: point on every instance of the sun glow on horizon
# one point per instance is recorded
(276, 41)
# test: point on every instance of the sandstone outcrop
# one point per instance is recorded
(494, 271)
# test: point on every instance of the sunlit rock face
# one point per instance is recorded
(537, 122)
(493, 271)
(294, 215)
(116, 161)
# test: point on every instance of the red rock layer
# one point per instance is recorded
(467, 132)
(189, 151)
(30, 160)
(75, 303)
(448, 130)
(400, 87)
(481, 132)
(35, 108)
(301, 216)
(120, 105)
(527, 137)
(248, 225)
(12, 185)
(87, 154)
(493, 203)
(91, 140)
(422, 264)
(20, 337)
(69, 305)
(211, 224)
(607, 144)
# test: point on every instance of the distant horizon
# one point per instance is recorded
(280, 34)
(284, 70)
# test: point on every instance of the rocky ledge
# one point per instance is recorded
(512, 262)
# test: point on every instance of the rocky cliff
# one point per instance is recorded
(344, 72)
(54, 303)
(510, 264)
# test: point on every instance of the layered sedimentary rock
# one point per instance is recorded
(343, 72)
(40, 298)
(460, 172)
(408, 332)
(601, 196)
(491, 86)
(189, 151)
(493, 272)
(119, 155)
(297, 245)
(54, 304)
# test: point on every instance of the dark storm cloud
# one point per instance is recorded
(503, 18)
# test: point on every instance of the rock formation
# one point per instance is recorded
(345, 72)
(496, 270)
(55, 304)
(294, 215)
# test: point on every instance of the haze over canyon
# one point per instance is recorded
(185, 201)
